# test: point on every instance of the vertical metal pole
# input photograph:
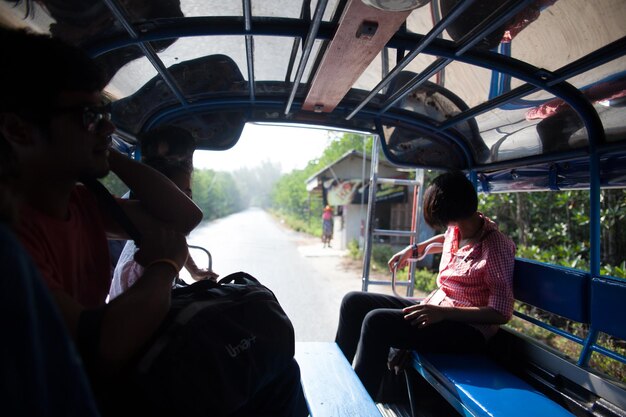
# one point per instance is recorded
(417, 213)
(594, 240)
(369, 225)
(247, 13)
(362, 207)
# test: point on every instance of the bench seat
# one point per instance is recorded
(331, 387)
(477, 386)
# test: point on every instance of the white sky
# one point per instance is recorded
(291, 147)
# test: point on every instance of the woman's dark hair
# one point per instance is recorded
(167, 141)
(450, 197)
(169, 167)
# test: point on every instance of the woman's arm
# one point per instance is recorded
(158, 197)
(132, 318)
(400, 259)
(199, 273)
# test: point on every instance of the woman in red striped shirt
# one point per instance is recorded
(474, 295)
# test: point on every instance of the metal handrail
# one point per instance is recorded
(208, 254)
(427, 251)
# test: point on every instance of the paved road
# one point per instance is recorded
(308, 280)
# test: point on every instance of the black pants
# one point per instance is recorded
(369, 324)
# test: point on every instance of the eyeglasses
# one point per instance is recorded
(93, 116)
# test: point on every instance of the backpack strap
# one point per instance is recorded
(104, 197)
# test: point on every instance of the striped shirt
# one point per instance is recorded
(477, 274)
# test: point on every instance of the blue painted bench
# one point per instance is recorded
(476, 385)
(331, 387)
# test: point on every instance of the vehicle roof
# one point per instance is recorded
(479, 85)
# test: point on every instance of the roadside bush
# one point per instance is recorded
(298, 224)
(354, 251)
(381, 255)
(425, 280)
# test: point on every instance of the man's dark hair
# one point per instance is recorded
(35, 70)
(450, 197)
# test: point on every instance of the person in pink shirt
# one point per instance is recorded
(128, 271)
(474, 294)
(327, 226)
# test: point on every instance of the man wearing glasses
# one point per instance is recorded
(55, 131)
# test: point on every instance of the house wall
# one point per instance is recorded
(351, 221)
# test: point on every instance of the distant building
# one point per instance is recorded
(344, 185)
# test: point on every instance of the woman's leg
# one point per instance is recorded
(354, 307)
(385, 328)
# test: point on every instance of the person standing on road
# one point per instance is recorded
(327, 226)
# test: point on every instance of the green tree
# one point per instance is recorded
(216, 193)
(554, 226)
(256, 184)
(290, 194)
(290, 197)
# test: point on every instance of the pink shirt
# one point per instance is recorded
(478, 274)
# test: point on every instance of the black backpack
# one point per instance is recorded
(224, 349)
(220, 345)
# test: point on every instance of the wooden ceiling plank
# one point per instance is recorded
(350, 52)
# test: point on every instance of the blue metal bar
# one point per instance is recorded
(496, 19)
(505, 79)
(247, 15)
(175, 28)
(306, 52)
(371, 114)
(598, 57)
(137, 155)
(369, 223)
(238, 103)
(549, 327)
(415, 82)
(501, 15)
(435, 13)
(594, 205)
(473, 177)
(305, 15)
(493, 85)
(594, 232)
(553, 178)
(428, 38)
(518, 92)
(147, 50)
(588, 345)
(590, 61)
(613, 355)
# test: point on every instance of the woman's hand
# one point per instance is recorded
(400, 259)
(203, 273)
(422, 315)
